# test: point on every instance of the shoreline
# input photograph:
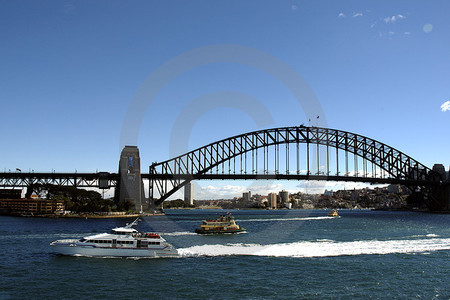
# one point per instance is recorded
(84, 216)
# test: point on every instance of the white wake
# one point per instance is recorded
(285, 219)
(319, 248)
(179, 233)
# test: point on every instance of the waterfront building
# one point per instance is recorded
(395, 188)
(328, 193)
(272, 197)
(247, 196)
(284, 197)
(31, 206)
(11, 193)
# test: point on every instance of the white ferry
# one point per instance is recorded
(121, 242)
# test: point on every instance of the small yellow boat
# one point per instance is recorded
(333, 213)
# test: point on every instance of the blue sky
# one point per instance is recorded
(71, 69)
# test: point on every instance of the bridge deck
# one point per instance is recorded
(92, 179)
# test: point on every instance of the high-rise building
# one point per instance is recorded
(247, 196)
(284, 197)
(272, 197)
(189, 194)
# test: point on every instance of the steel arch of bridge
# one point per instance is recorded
(214, 161)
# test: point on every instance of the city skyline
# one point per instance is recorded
(72, 70)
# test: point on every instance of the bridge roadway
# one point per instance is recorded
(96, 180)
(107, 180)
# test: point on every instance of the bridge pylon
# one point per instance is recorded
(131, 186)
(441, 192)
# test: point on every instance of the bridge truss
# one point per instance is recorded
(291, 153)
(102, 180)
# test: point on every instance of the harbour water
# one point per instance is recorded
(286, 254)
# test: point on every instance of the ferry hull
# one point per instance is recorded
(84, 250)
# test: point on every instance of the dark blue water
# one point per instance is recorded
(297, 254)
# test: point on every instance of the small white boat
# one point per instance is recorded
(121, 242)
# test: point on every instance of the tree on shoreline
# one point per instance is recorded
(78, 200)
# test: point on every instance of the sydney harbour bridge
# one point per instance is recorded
(287, 153)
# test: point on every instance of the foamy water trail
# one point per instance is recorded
(285, 219)
(179, 233)
(424, 235)
(319, 248)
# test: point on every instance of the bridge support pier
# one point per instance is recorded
(29, 191)
(441, 193)
(131, 187)
(441, 198)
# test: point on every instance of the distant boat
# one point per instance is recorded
(224, 224)
(121, 242)
(333, 213)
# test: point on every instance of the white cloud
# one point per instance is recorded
(445, 106)
(427, 28)
(393, 19)
(69, 8)
(342, 15)
(357, 14)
